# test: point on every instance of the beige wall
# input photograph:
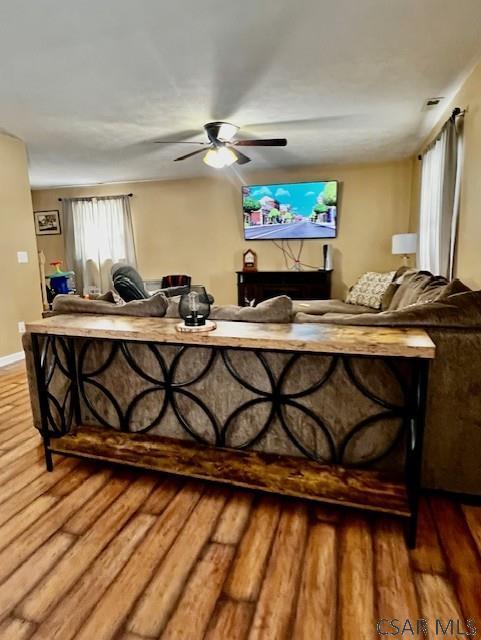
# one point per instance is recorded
(20, 297)
(468, 259)
(195, 226)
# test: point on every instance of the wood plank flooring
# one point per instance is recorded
(95, 552)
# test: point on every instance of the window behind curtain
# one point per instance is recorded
(98, 233)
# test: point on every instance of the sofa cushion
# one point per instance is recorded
(154, 306)
(370, 288)
(320, 307)
(327, 318)
(394, 286)
(172, 310)
(432, 294)
(277, 309)
(389, 295)
(413, 284)
(460, 310)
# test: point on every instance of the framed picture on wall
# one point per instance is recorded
(47, 223)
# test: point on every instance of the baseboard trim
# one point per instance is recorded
(10, 359)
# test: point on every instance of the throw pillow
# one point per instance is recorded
(370, 289)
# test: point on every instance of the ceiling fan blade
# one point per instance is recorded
(188, 155)
(241, 157)
(165, 138)
(266, 142)
(179, 142)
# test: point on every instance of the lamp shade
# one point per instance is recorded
(404, 243)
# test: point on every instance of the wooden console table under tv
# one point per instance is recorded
(59, 345)
(299, 285)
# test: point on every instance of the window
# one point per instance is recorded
(98, 234)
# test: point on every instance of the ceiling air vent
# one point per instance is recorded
(431, 103)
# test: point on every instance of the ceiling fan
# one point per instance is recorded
(221, 149)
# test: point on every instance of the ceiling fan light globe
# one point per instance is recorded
(227, 131)
(228, 156)
(213, 159)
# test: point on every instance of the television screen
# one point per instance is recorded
(290, 211)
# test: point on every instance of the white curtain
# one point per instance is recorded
(439, 204)
(98, 233)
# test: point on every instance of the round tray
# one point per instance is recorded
(208, 326)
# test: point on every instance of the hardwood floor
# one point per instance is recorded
(92, 552)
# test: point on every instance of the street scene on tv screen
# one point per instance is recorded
(290, 211)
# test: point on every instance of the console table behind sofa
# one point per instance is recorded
(323, 412)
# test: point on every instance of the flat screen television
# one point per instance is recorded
(293, 211)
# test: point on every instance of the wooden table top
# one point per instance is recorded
(317, 338)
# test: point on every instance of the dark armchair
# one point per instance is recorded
(128, 283)
(130, 286)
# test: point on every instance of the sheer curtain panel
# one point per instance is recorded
(98, 233)
(439, 203)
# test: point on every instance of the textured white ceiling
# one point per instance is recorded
(89, 85)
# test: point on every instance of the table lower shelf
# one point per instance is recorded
(289, 475)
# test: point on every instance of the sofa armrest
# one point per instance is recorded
(32, 384)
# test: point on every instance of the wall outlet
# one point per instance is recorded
(21, 327)
(22, 257)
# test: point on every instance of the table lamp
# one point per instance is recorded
(404, 244)
(194, 309)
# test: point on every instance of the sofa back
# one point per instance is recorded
(452, 442)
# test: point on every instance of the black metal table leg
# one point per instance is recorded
(72, 365)
(42, 400)
(415, 445)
